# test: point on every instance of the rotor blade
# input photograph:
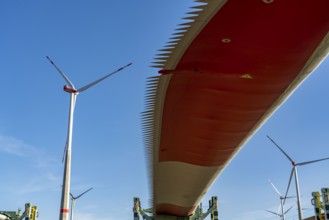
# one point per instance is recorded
(289, 158)
(66, 144)
(276, 190)
(83, 193)
(285, 196)
(74, 101)
(288, 210)
(62, 74)
(101, 79)
(272, 212)
(313, 161)
(64, 153)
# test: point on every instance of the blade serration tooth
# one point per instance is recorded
(163, 54)
(157, 66)
(196, 13)
(190, 17)
(187, 23)
(198, 7)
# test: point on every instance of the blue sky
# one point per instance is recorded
(88, 39)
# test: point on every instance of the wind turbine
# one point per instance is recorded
(294, 172)
(73, 199)
(281, 215)
(64, 209)
(282, 201)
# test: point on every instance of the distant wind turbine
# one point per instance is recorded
(294, 172)
(65, 199)
(281, 215)
(282, 200)
(73, 199)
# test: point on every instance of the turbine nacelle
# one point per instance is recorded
(70, 90)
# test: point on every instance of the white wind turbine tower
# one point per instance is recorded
(73, 199)
(282, 201)
(65, 199)
(294, 173)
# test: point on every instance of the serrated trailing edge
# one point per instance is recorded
(186, 32)
(151, 121)
(148, 123)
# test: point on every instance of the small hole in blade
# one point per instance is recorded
(226, 40)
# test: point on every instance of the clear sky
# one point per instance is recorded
(88, 39)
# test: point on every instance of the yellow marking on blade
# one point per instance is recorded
(246, 76)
